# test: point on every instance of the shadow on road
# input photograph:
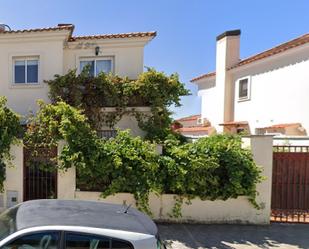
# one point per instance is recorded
(235, 236)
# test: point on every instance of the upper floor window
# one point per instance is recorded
(97, 65)
(244, 89)
(26, 70)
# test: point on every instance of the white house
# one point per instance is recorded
(264, 93)
(28, 57)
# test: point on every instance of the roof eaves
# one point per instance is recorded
(265, 54)
(113, 36)
(275, 50)
(203, 76)
(67, 27)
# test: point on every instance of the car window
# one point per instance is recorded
(119, 244)
(82, 241)
(44, 240)
(8, 222)
(87, 241)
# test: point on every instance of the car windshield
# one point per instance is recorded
(8, 222)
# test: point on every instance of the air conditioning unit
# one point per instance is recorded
(200, 121)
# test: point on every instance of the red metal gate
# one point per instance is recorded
(290, 184)
(39, 183)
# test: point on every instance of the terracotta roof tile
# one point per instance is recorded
(281, 126)
(270, 52)
(194, 129)
(70, 27)
(276, 50)
(234, 123)
(60, 27)
(111, 36)
(189, 118)
(208, 75)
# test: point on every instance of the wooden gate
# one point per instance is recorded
(290, 184)
(39, 183)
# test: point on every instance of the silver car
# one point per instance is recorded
(63, 224)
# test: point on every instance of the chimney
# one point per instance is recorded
(227, 55)
(228, 48)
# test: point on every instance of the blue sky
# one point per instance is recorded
(186, 29)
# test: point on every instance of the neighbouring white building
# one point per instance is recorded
(265, 93)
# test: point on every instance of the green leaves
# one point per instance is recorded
(212, 168)
(10, 129)
(152, 88)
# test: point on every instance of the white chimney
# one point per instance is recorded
(227, 55)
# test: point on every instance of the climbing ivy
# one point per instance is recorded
(10, 129)
(92, 94)
(212, 168)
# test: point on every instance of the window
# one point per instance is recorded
(243, 89)
(44, 240)
(107, 133)
(26, 71)
(84, 241)
(8, 222)
(97, 66)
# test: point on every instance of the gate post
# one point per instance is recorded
(13, 184)
(262, 151)
(66, 180)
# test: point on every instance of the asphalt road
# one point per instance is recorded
(183, 236)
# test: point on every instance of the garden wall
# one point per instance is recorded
(231, 211)
(238, 210)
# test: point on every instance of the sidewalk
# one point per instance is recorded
(182, 236)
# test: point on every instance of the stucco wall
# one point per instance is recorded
(128, 120)
(49, 50)
(57, 56)
(208, 93)
(14, 178)
(231, 211)
(128, 58)
(279, 91)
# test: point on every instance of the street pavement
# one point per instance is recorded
(195, 236)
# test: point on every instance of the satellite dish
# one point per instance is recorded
(3, 27)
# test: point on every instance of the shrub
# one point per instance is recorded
(153, 89)
(211, 168)
(10, 129)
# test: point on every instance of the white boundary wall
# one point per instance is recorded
(238, 210)
(231, 211)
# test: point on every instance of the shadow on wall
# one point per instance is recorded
(234, 236)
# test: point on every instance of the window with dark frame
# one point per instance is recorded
(243, 89)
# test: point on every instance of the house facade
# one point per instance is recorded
(266, 93)
(28, 57)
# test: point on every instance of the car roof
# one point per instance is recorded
(83, 213)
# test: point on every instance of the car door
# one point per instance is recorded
(74, 240)
(35, 240)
